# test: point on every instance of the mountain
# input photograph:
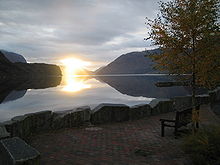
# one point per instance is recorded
(131, 63)
(14, 65)
(13, 57)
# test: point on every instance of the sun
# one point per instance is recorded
(73, 83)
(72, 65)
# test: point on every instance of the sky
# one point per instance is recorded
(93, 30)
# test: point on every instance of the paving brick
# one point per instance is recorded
(112, 144)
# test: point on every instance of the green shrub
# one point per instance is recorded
(204, 146)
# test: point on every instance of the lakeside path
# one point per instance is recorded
(116, 143)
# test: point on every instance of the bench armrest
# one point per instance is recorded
(166, 120)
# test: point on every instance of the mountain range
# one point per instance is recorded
(131, 63)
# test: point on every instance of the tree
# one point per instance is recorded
(187, 31)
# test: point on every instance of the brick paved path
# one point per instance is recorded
(112, 144)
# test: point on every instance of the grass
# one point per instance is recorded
(204, 146)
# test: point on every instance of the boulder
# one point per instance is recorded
(71, 118)
(139, 111)
(15, 151)
(106, 113)
(159, 106)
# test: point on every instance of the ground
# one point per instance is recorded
(128, 143)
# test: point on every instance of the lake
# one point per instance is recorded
(29, 95)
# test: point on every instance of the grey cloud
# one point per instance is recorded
(39, 28)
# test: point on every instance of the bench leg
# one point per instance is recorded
(175, 132)
(197, 125)
(162, 129)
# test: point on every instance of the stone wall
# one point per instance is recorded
(71, 118)
(185, 102)
(215, 95)
(215, 100)
(26, 125)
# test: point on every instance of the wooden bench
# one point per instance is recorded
(182, 118)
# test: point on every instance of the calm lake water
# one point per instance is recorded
(56, 93)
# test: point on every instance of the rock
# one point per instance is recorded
(71, 118)
(218, 94)
(203, 99)
(139, 111)
(105, 113)
(10, 127)
(159, 106)
(40, 121)
(15, 151)
(183, 102)
(23, 126)
(216, 108)
(215, 95)
(3, 132)
(20, 126)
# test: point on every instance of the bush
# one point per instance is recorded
(204, 146)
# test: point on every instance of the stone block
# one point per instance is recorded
(9, 126)
(3, 132)
(19, 126)
(139, 111)
(71, 118)
(40, 121)
(182, 102)
(159, 106)
(106, 113)
(203, 99)
(215, 95)
(23, 126)
(15, 151)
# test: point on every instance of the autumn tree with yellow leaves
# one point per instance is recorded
(188, 33)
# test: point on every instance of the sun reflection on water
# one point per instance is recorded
(75, 84)
(72, 81)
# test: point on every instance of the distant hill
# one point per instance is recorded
(13, 57)
(14, 65)
(131, 63)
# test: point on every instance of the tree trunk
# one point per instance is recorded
(195, 111)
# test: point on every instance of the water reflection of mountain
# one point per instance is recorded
(145, 86)
(13, 89)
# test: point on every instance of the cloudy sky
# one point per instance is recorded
(93, 30)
